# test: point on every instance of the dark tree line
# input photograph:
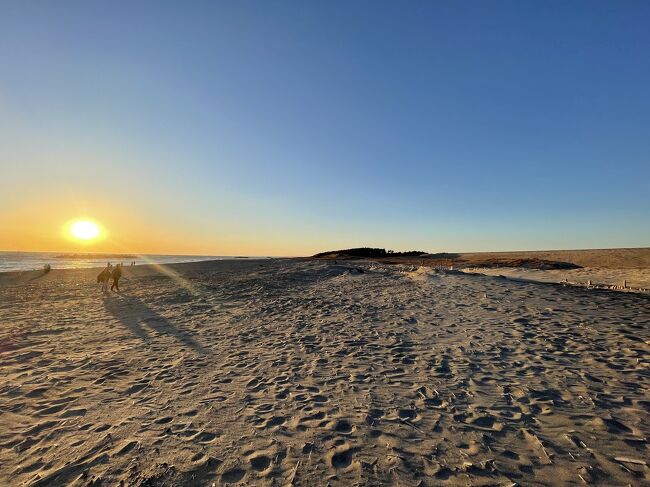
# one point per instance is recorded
(370, 252)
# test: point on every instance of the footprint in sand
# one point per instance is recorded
(38, 392)
(307, 448)
(136, 387)
(73, 412)
(341, 457)
(342, 426)
(275, 421)
(126, 448)
(198, 457)
(488, 422)
(319, 398)
(204, 437)
(30, 468)
(373, 416)
(283, 394)
(435, 403)
(260, 463)
(408, 414)
(612, 426)
(232, 476)
(264, 408)
(50, 410)
(319, 416)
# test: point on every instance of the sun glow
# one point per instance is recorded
(83, 230)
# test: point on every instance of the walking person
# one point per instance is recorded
(117, 273)
(104, 277)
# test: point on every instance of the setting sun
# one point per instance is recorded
(84, 230)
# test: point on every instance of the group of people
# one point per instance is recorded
(109, 272)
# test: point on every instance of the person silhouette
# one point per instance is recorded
(116, 274)
(104, 276)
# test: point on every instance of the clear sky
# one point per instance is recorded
(286, 128)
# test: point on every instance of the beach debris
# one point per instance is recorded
(293, 475)
(406, 421)
(575, 440)
(634, 461)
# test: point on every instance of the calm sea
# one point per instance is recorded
(25, 261)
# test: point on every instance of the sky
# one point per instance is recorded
(288, 128)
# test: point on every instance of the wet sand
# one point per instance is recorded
(303, 373)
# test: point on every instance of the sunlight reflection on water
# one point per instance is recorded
(19, 261)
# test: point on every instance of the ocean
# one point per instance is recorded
(26, 261)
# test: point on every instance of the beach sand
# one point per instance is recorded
(309, 373)
(637, 258)
(617, 269)
(635, 280)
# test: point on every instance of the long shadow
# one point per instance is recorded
(15, 278)
(38, 274)
(133, 314)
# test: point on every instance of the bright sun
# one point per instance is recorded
(84, 230)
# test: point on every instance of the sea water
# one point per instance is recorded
(26, 261)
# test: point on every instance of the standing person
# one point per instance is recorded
(104, 276)
(117, 273)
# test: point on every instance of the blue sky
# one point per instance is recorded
(291, 127)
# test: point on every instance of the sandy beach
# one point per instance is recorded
(616, 269)
(309, 373)
(626, 269)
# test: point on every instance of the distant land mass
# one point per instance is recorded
(96, 256)
(367, 252)
(630, 258)
(444, 259)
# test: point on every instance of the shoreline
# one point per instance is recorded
(36, 261)
(16, 278)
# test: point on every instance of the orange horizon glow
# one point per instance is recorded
(36, 228)
(141, 225)
(39, 225)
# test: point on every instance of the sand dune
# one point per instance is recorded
(614, 269)
(637, 258)
(311, 373)
(637, 280)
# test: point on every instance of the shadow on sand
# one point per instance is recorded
(15, 278)
(136, 315)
